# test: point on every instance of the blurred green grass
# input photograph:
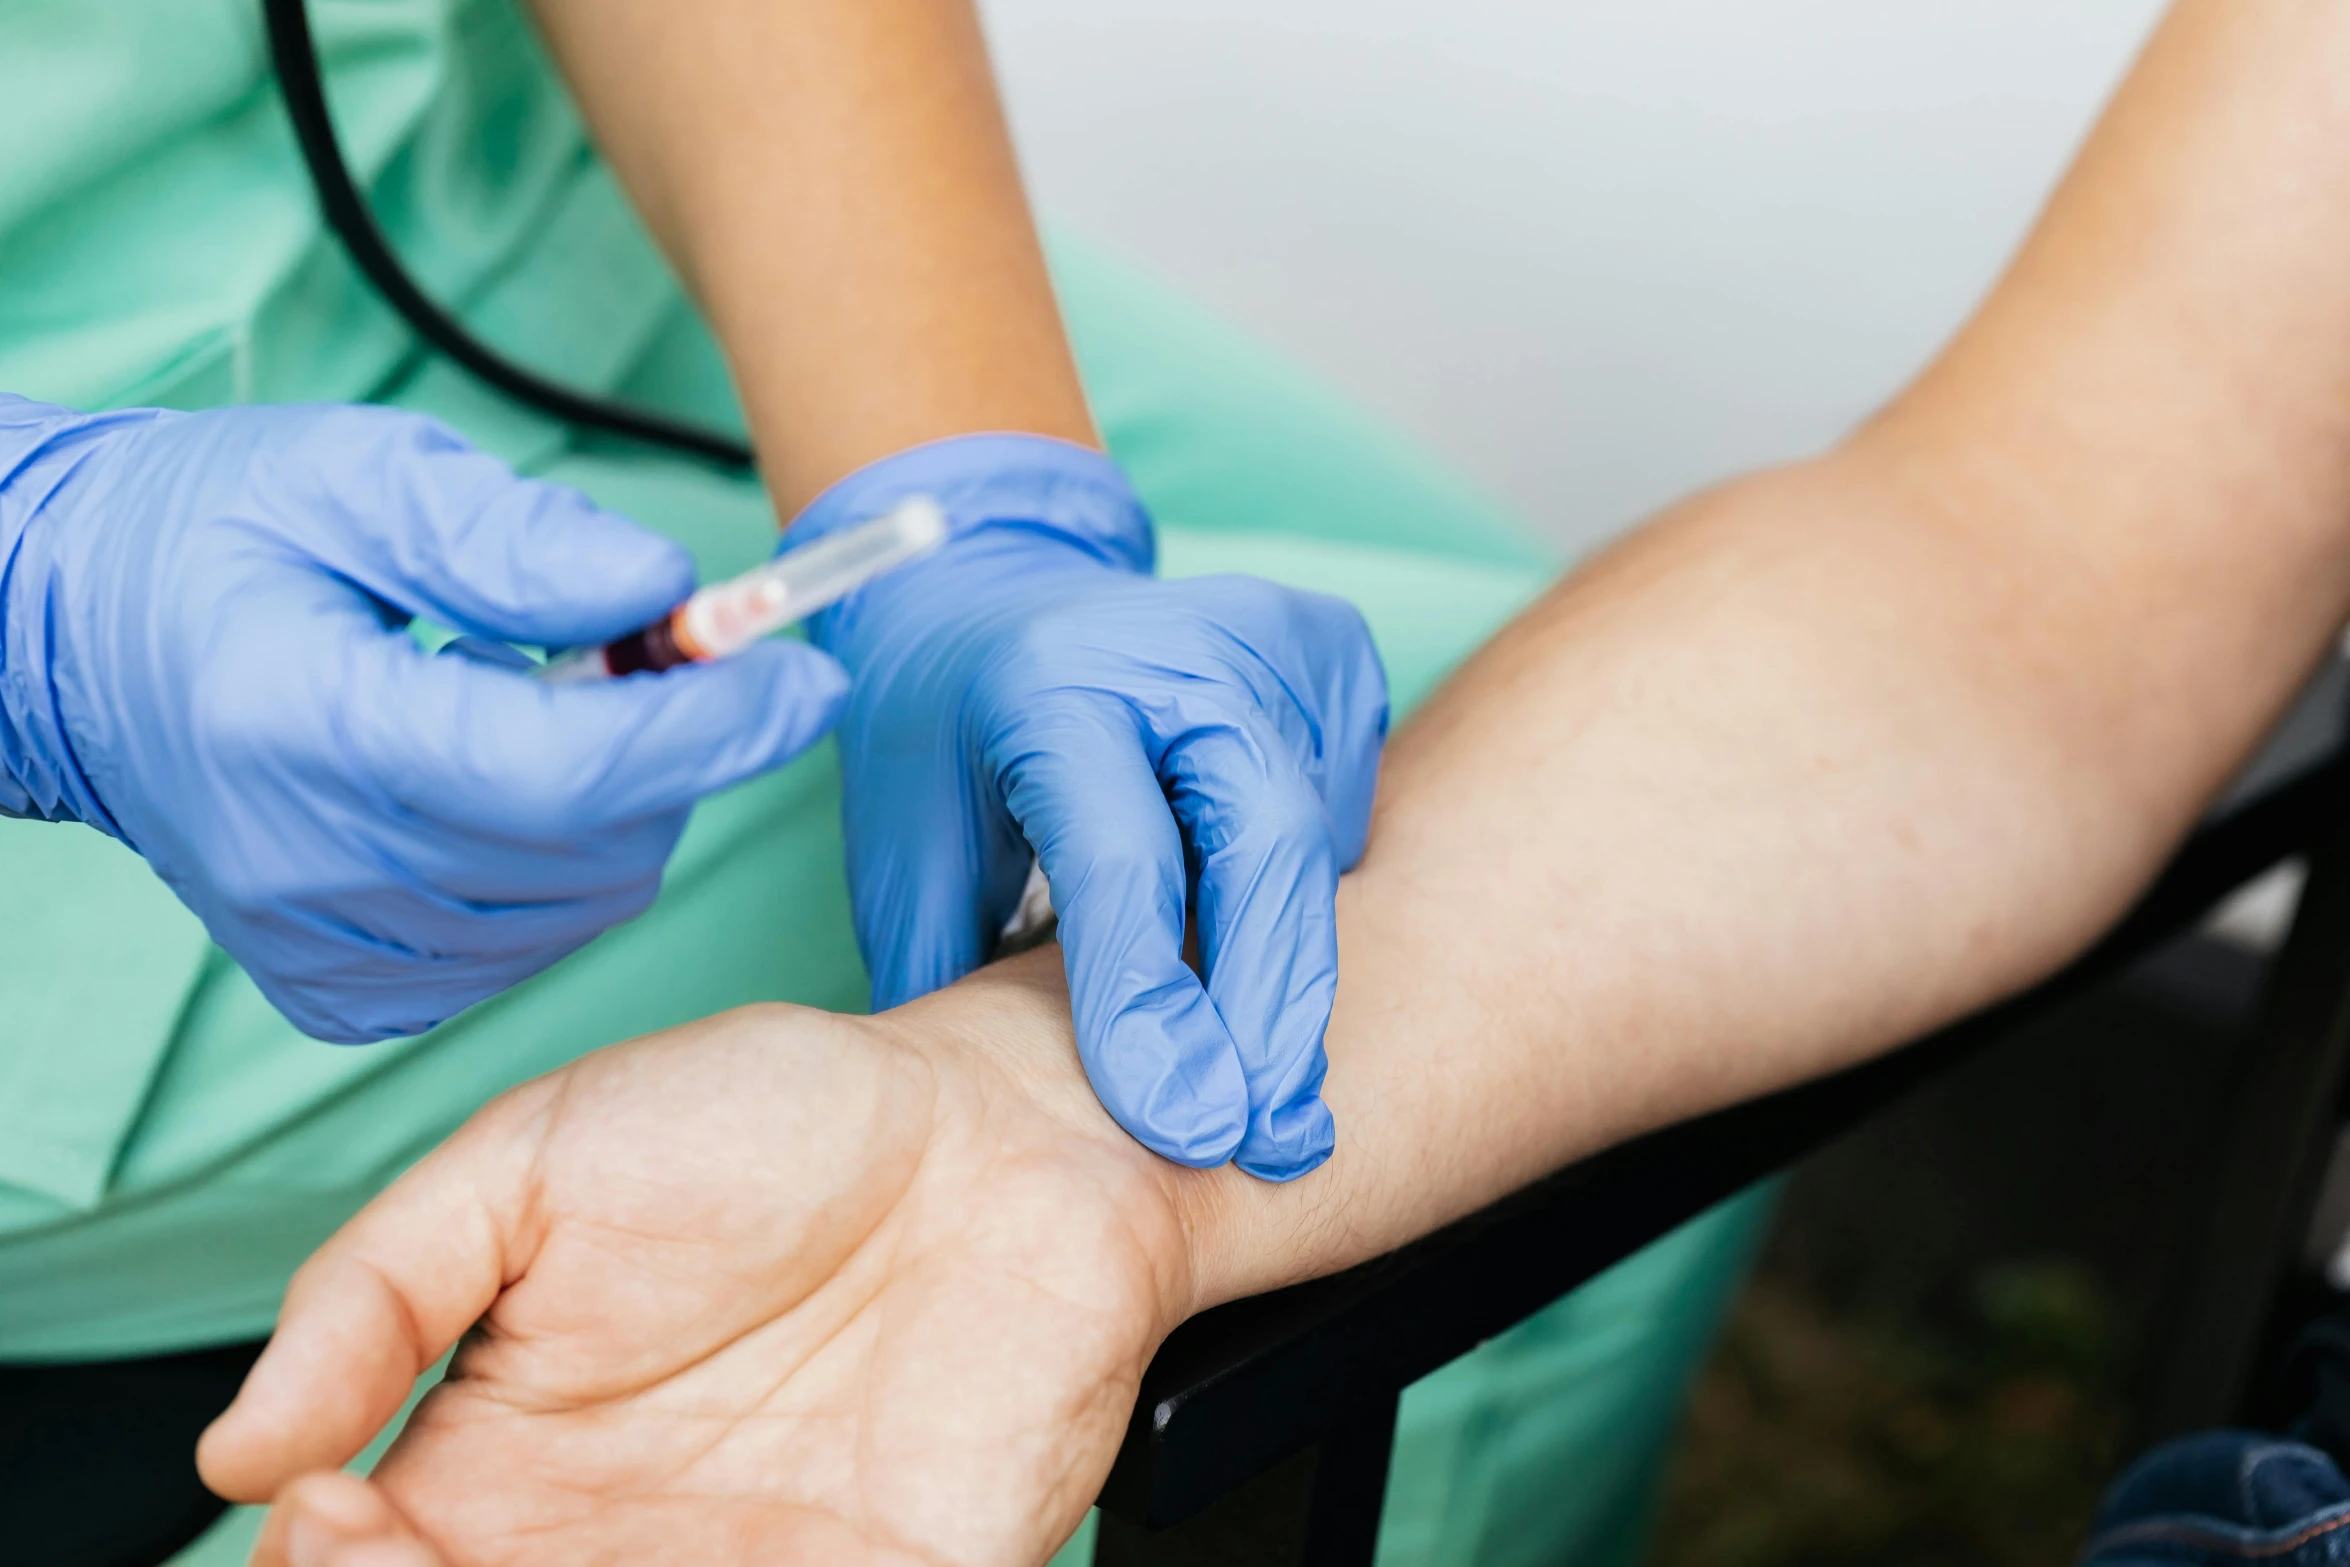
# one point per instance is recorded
(1978, 1433)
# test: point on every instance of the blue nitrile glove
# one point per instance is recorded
(203, 653)
(1031, 684)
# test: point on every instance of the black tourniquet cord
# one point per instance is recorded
(296, 58)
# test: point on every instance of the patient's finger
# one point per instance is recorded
(331, 1519)
(381, 1553)
(377, 1304)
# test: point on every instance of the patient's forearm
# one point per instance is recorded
(1758, 795)
(1828, 757)
(834, 179)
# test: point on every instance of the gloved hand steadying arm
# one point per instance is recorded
(203, 653)
(1214, 740)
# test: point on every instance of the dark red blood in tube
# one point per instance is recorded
(654, 648)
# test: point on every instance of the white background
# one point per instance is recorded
(1596, 254)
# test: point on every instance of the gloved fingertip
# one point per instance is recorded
(806, 686)
(812, 664)
(598, 537)
(1158, 1056)
(540, 562)
(1179, 1122)
(1194, 1145)
(323, 1019)
(630, 749)
(1294, 1140)
(610, 568)
(1281, 1172)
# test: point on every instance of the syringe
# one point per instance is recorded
(727, 617)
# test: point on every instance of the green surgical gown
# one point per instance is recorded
(169, 1148)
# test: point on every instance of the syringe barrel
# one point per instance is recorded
(729, 616)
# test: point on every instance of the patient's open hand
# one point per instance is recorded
(776, 1287)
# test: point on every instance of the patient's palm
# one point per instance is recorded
(782, 1290)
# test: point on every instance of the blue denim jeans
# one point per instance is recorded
(2226, 1496)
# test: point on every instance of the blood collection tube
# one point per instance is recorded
(728, 616)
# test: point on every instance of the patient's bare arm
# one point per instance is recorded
(1832, 755)
(1809, 765)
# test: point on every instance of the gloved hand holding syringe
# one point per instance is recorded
(728, 616)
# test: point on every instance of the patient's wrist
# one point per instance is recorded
(1014, 1016)
(1244, 1236)
(1214, 1235)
